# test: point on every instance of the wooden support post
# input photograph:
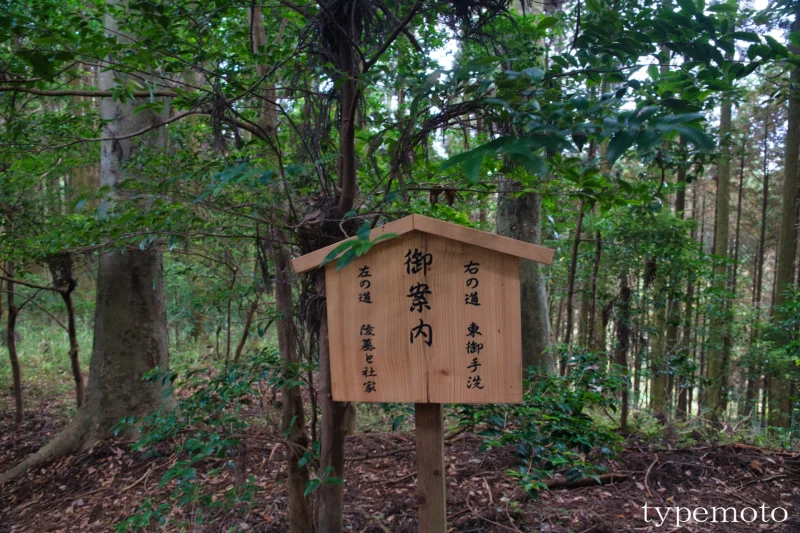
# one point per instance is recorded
(431, 490)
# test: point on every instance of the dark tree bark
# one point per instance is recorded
(330, 503)
(293, 419)
(596, 344)
(11, 343)
(63, 280)
(780, 406)
(623, 342)
(685, 382)
(573, 267)
(714, 399)
(248, 323)
(758, 278)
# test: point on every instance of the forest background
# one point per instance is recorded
(163, 161)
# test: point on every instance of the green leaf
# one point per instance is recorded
(682, 118)
(776, 47)
(594, 6)
(695, 136)
(311, 486)
(363, 230)
(266, 177)
(547, 22)
(338, 250)
(384, 237)
(347, 258)
(472, 167)
(722, 8)
(534, 73)
(42, 64)
(746, 36)
(619, 144)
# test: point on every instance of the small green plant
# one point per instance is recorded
(211, 407)
(552, 432)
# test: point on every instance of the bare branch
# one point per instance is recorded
(389, 40)
(79, 92)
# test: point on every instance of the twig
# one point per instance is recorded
(605, 479)
(647, 474)
(512, 528)
(380, 455)
(56, 320)
(764, 480)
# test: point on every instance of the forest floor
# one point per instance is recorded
(92, 491)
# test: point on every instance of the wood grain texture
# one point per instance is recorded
(459, 366)
(431, 488)
(432, 226)
(483, 239)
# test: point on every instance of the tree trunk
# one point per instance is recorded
(520, 217)
(583, 316)
(330, 503)
(780, 407)
(11, 344)
(573, 267)
(75, 362)
(268, 118)
(596, 332)
(61, 271)
(248, 322)
(687, 352)
(714, 398)
(347, 149)
(623, 341)
(751, 392)
(658, 358)
(293, 421)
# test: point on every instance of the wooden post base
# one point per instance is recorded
(431, 489)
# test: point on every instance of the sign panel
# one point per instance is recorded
(424, 318)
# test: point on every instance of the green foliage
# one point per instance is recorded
(353, 248)
(552, 431)
(211, 406)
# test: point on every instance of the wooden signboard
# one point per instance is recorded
(431, 316)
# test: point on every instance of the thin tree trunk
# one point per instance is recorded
(733, 280)
(751, 393)
(658, 358)
(330, 504)
(347, 154)
(714, 398)
(684, 385)
(623, 341)
(780, 405)
(74, 360)
(248, 323)
(11, 343)
(593, 344)
(268, 118)
(228, 320)
(293, 421)
(61, 271)
(573, 266)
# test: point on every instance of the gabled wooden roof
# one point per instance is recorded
(474, 237)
